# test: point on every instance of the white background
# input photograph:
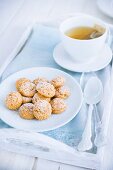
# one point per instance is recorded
(14, 13)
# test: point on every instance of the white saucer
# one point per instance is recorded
(106, 7)
(63, 59)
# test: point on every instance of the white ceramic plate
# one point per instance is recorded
(12, 118)
(63, 59)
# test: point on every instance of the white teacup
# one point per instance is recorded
(82, 50)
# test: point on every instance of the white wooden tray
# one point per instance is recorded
(36, 144)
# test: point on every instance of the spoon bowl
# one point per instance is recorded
(93, 91)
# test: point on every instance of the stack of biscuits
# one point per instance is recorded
(38, 99)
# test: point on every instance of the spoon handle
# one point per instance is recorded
(86, 143)
(82, 81)
(100, 139)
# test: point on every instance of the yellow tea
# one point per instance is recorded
(85, 33)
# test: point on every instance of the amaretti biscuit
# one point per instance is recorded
(13, 100)
(20, 81)
(27, 89)
(45, 89)
(39, 79)
(58, 105)
(58, 81)
(42, 110)
(62, 92)
(26, 111)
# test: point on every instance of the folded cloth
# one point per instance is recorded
(38, 52)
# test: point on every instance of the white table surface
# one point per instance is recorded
(14, 13)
